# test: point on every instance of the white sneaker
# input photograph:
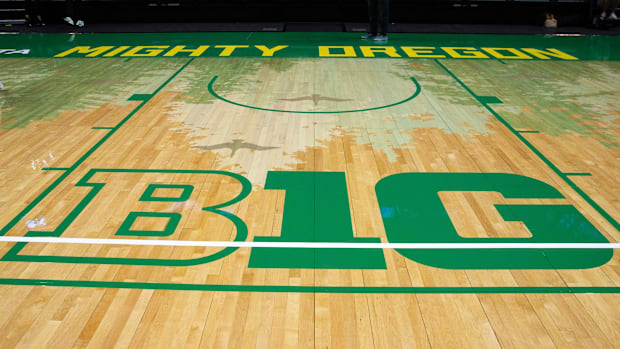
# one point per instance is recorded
(603, 16)
(79, 23)
(613, 17)
(1, 86)
(69, 20)
(380, 37)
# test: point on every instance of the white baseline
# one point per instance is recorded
(352, 245)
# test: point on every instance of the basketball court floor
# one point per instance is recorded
(273, 190)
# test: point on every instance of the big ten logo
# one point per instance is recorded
(12, 51)
(197, 205)
(143, 204)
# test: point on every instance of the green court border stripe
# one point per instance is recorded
(555, 169)
(214, 94)
(307, 289)
(69, 171)
(526, 131)
(101, 128)
(55, 169)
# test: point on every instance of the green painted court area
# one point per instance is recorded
(302, 138)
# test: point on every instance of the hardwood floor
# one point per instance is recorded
(308, 149)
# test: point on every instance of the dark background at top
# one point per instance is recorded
(574, 12)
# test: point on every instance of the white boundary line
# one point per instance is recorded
(425, 246)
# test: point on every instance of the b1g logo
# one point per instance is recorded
(184, 204)
(12, 51)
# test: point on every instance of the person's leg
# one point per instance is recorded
(372, 16)
(383, 19)
(78, 13)
(611, 9)
(600, 10)
(603, 4)
(383, 14)
(69, 11)
(30, 15)
(608, 8)
(37, 12)
(33, 13)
